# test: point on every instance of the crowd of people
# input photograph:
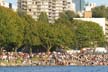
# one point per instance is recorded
(93, 59)
(52, 58)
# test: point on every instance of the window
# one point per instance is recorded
(34, 13)
(30, 10)
(69, 3)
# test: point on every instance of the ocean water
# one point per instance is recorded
(55, 69)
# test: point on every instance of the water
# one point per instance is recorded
(55, 69)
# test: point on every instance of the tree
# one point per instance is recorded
(43, 17)
(10, 28)
(88, 33)
(21, 30)
(100, 11)
(71, 15)
(30, 37)
(63, 19)
(51, 35)
(65, 36)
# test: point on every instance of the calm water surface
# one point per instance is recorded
(55, 69)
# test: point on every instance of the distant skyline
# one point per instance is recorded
(14, 2)
(98, 2)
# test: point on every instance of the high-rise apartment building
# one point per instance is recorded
(51, 7)
(79, 5)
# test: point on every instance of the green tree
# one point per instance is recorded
(88, 34)
(43, 17)
(51, 35)
(10, 28)
(63, 19)
(54, 35)
(71, 15)
(30, 37)
(100, 11)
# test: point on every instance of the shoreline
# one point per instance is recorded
(13, 65)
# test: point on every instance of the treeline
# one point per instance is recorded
(100, 11)
(21, 32)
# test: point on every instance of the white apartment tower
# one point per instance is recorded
(51, 7)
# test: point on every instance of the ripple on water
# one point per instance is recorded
(55, 69)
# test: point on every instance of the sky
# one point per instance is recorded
(98, 2)
(14, 2)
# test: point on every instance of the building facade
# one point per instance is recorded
(87, 14)
(89, 6)
(79, 5)
(106, 28)
(86, 11)
(51, 7)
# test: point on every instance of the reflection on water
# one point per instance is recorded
(55, 69)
